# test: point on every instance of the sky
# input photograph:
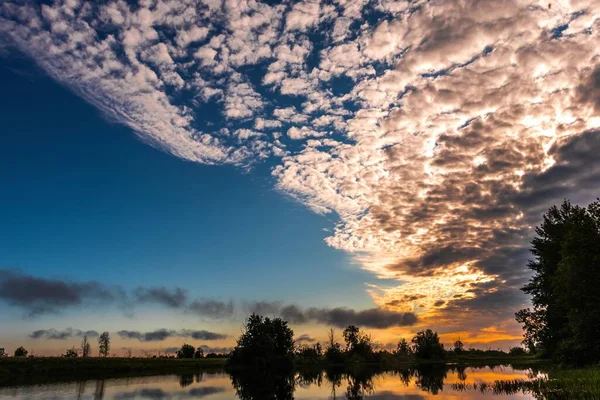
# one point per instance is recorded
(168, 167)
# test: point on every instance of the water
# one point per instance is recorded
(436, 382)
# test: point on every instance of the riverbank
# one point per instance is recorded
(16, 371)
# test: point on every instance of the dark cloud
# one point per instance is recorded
(53, 334)
(163, 334)
(175, 298)
(41, 296)
(305, 339)
(339, 317)
(589, 90)
(217, 350)
(267, 308)
(211, 308)
(202, 335)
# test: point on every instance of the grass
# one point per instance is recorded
(16, 371)
(560, 383)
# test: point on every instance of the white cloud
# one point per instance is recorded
(452, 114)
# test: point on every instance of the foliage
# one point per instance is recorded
(199, 353)
(2, 352)
(104, 344)
(21, 352)
(72, 352)
(86, 348)
(459, 347)
(186, 351)
(427, 345)
(264, 343)
(333, 352)
(517, 351)
(565, 320)
(403, 348)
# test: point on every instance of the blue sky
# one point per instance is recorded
(375, 162)
(85, 198)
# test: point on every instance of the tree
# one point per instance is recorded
(333, 352)
(351, 337)
(564, 322)
(128, 352)
(71, 353)
(427, 345)
(264, 343)
(199, 353)
(403, 348)
(186, 351)
(86, 348)
(104, 344)
(2, 352)
(459, 347)
(21, 352)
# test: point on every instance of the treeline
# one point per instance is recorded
(84, 351)
(104, 344)
(564, 322)
(268, 342)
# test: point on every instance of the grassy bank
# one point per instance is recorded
(16, 371)
(560, 383)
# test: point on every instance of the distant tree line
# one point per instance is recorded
(564, 322)
(267, 343)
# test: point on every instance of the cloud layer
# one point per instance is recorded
(163, 334)
(438, 132)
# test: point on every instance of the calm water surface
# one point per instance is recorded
(413, 384)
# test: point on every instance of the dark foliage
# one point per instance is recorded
(427, 345)
(21, 352)
(265, 343)
(565, 320)
(186, 351)
(199, 353)
(263, 385)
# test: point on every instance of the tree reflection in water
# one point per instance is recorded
(358, 382)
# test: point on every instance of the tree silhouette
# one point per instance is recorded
(565, 320)
(427, 345)
(265, 343)
(199, 353)
(459, 347)
(21, 352)
(104, 344)
(71, 353)
(403, 348)
(86, 348)
(186, 351)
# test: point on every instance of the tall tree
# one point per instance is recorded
(104, 344)
(265, 343)
(564, 322)
(86, 348)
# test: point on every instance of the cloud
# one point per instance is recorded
(305, 339)
(211, 308)
(39, 296)
(53, 334)
(175, 298)
(451, 126)
(339, 317)
(163, 334)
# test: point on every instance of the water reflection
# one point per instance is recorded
(423, 382)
